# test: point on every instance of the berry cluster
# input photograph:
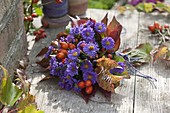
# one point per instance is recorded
(30, 17)
(87, 85)
(157, 27)
(39, 34)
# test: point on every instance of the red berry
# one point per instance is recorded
(71, 46)
(89, 89)
(58, 1)
(109, 51)
(35, 1)
(41, 30)
(25, 18)
(44, 35)
(88, 83)
(64, 51)
(35, 33)
(38, 32)
(110, 56)
(82, 45)
(34, 15)
(151, 28)
(156, 25)
(37, 38)
(160, 28)
(166, 26)
(103, 49)
(60, 56)
(63, 60)
(81, 84)
(64, 45)
(30, 18)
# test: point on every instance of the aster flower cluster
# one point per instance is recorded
(75, 56)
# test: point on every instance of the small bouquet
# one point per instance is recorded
(84, 58)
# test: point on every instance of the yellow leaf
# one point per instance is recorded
(160, 52)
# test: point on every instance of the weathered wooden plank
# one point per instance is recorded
(147, 98)
(52, 99)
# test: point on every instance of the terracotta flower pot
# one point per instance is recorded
(77, 7)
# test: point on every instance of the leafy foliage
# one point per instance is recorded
(15, 97)
(9, 92)
(30, 109)
(139, 55)
(146, 7)
(101, 4)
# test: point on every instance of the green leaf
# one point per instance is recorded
(118, 58)
(9, 92)
(141, 54)
(160, 52)
(140, 7)
(148, 7)
(146, 48)
(160, 6)
(30, 109)
(39, 11)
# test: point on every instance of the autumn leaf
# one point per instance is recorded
(30, 109)
(113, 30)
(48, 78)
(44, 62)
(42, 52)
(139, 55)
(29, 99)
(105, 19)
(86, 96)
(9, 92)
(148, 7)
(160, 52)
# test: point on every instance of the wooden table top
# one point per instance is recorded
(136, 95)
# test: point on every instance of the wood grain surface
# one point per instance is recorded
(136, 95)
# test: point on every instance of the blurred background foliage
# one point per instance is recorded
(101, 4)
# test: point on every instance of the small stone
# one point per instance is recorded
(33, 65)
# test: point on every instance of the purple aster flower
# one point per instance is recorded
(73, 54)
(86, 66)
(75, 86)
(70, 38)
(91, 49)
(74, 30)
(68, 77)
(72, 69)
(64, 84)
(89, 23)
(90, 75)
(50, 48)
(87, 34)
(118, 70)
(100, 27)
(62, 39)
(135, 2)
(108, 43)
(56, 68)
(79, 45)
